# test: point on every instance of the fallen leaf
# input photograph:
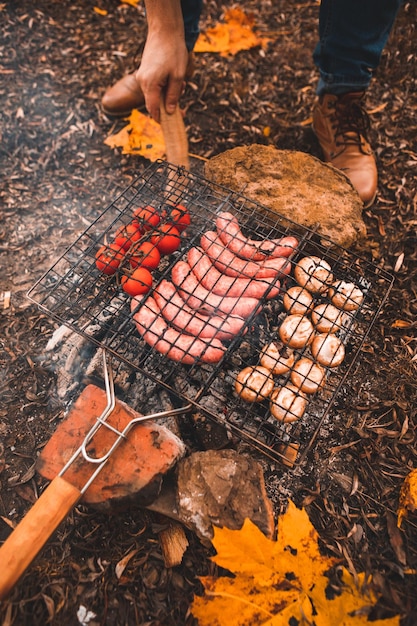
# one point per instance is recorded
(280, 582)
(100, 11)
(408, 496)
(133, 3)
(142, 136)
(123, 563)
(235, 34)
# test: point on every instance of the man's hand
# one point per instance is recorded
(164, 61)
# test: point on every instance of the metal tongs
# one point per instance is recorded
(61, 496)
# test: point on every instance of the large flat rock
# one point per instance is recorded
(295, 185)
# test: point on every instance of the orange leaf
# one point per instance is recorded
(142, 136)
(100, 11)
(229, 38)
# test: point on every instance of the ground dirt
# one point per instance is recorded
(57, 175)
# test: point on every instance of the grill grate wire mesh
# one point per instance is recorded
(75, 293)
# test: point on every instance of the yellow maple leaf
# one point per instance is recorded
(142, 136)
(275, 582)
(235, 34)
(408, 496)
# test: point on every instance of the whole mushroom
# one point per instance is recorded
(277, 358)
(308, 376)
(287, 404)
(254, 383)
(297, 300)
(296, 331)
(346, 295)
(314, 274)
(328, 350)
(327, 318)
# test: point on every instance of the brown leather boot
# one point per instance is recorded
(126, 94)
(341, 125)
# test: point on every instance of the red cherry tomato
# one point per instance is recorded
(148, 217)
(180, 217)
(138, 282)
(109, 257)
(126, 235)
(144, 254)
(167, 239)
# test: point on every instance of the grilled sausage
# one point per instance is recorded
(198, 297)
(173, 344)
(251, 249)
(213, 280)
(190, 321)
(232, 265)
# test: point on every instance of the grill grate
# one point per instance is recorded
(75, 293)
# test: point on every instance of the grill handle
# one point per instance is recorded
(175, 136)
(34, 530)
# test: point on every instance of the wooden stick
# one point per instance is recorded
(34, 530)
(175, 136)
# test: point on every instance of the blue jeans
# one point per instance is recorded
(352, 36)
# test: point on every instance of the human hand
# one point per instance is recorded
(161, 74)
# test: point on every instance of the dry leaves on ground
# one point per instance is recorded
(278, 581)
(235, 34)
(141, 136)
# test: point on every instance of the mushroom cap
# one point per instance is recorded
(254, 383)
(346, 295)
(287, 404)
(328, 349)
(297, 300)
(308, 375)
(277, 358)
(314, 274)
(296, 331)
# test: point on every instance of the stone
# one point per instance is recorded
(295, 185)
(134, 473)
(222, 488)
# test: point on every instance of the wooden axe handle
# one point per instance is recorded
(175, 136)
(34, 530)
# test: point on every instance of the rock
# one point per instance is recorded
(295, 185)
(222, 488)
(134, 472)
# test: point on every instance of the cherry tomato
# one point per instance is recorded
(144, 254)
(126, 235)
(138, 282)
(148, 217)
(167, 239)
(180, 217)
(109, 257)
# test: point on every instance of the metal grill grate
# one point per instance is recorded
(75, 293)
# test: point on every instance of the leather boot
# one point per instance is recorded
(126, 94)
(341, 125)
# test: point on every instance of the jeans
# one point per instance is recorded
(352, 36)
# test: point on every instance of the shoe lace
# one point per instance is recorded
(350, 122)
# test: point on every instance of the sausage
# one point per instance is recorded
(213, 280)
(190, 321)
(251, 249)
(232, 265)
(172, 343)
(200, 298)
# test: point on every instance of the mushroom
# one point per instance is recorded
(297, 300)
(254, 383)
(296, 331)
(287, 404)
(277, 358)
(308, 376)
(345, 295)
(314, 274)
(327, 318)
(328, 350)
